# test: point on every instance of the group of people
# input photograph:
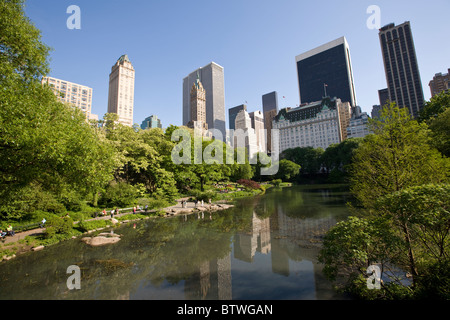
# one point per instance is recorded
(9, 232)
(196, 202)
(116, 211)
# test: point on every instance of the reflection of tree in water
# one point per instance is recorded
(154, 251)
(185, 249)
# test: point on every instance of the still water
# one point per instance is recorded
(264, 248)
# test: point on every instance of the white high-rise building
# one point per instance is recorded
(78, 95)
(121, 90)
(244, 134)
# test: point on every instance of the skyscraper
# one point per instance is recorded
(121, 90)
(401, 68)
(257, 119)
(151, 122)
(198, 106)
(383, 96)
(326, 71)
(232, 113)
(270, 111)
(212, 79)
(245, 134)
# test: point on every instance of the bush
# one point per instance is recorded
(153, 203)
(58, 226)
(119, 194)
(205, 196)
(277, 182)
(85, 226)
(249, 184)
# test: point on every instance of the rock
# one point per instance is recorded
(38, 248)
(102, 239)
(114, 221)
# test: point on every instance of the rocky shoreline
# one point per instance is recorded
(182, 208)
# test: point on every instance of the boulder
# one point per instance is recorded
(102, 239)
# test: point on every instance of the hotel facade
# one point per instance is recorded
(318, 124)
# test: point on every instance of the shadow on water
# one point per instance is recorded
(265, 247)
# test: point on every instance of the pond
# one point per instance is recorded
(264, 248)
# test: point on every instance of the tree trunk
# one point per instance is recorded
(412, 263)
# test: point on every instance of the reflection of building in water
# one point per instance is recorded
(295, 233)
(303, 229)
(212, 281)
(258, 239)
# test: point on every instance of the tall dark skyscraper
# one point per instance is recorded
(400, 64)
(326, 68)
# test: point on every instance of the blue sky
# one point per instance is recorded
(256, 42)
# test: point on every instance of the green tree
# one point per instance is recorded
(397, 156)
(308, 158)
(421, 215)
(340, 156)
(288, 170)
(43, 142)
(23, 55)
(440, 132)
(437, 105)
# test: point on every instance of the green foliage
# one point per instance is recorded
(58, 226)
(277, 182)
(153, 203)
(119, 194)
(440, 132)
(437, 105)
(397, 156)
(340, 156)
(85, 226)
(308, 158)
(434, 282)
(288, 170)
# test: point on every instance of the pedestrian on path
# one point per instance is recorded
(112, 213)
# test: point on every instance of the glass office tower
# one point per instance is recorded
(326, 71)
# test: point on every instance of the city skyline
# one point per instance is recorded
(258, 57)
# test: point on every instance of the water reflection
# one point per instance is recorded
(264, 248)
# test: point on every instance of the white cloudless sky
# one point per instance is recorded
(256, 42)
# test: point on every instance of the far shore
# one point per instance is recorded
(183, 207)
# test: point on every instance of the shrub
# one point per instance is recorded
(277, 182)
(58, 226)
(119, 194)
(85, 226)
(249, 184)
